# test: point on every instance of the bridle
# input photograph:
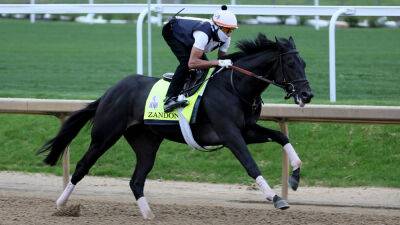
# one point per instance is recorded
(287, 86)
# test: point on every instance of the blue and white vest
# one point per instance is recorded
(183, 29)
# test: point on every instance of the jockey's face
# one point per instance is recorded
(227, 30)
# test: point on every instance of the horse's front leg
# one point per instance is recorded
(258, 134)
(232, 138)
(229, 128)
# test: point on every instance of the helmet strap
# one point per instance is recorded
(214, 29)
(222, 37)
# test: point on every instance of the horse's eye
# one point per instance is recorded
(291, 64)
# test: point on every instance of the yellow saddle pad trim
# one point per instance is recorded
(154, 110)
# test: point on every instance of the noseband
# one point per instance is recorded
(286, 85)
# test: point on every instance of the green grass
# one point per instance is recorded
(67, 53)
(76, 61)
(352, 155)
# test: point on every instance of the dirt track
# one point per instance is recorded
(105, 202)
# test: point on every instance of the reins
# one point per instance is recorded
(251, 74)
(288, 87)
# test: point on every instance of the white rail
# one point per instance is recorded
(195, 9)
(281, 113)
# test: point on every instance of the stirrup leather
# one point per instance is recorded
(172, 103)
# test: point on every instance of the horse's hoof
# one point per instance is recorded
(280, 203)
(148, 215)
(60, 206)
(62, 200)
(294, 179)
(293, 183)
(145, 209)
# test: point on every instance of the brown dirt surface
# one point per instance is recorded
(71, 210)
(21, 210)
(22, 201)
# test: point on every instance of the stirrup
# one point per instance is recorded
(170, 106)
(168, 76)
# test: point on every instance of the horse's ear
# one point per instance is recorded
(291, 40)
(279, 43)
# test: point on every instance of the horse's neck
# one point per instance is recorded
(249, 87)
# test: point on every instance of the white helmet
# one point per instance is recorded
(225, 18)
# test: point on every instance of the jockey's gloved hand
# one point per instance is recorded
(225, 63)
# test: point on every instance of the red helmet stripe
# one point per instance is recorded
(219, 23)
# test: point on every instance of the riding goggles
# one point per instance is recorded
(227, 30)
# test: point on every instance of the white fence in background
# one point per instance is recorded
(142, 10)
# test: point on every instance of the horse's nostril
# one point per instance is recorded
(305, 95)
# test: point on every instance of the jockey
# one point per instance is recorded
(189, 39)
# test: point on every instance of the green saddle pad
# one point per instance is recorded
(154, 110)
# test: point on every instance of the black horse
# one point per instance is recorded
(229, 110)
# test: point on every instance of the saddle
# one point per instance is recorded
(194, 88)
(192, 83)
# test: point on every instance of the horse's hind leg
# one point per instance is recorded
(145, 144)
(102, 139)
(259, 134)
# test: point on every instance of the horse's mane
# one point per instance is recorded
(248, 47)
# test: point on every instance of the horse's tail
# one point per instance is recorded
(67, 133)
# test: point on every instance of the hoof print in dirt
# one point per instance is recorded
(69, 211)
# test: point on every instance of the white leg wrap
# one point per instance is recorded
(62, 200)
(294, 159)
(145, 208)
(264, 187)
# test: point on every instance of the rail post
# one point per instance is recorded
(139, 41)
(285, 161)
(332, 50)
(32, 17)
(65, 160)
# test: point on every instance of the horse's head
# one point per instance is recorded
(290, 72)
(277, 63)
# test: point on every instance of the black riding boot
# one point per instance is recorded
(171, 103)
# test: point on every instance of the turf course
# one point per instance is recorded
(75, 61)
